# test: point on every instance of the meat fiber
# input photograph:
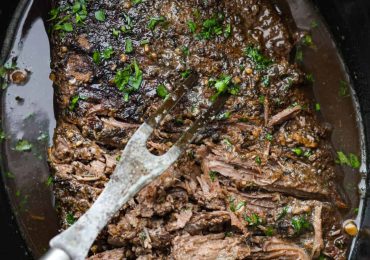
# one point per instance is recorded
(259, 182)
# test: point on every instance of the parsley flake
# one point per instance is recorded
(100, 15)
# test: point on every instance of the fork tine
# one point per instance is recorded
(173, 99)
(189, 135)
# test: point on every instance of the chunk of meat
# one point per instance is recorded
(215, 246)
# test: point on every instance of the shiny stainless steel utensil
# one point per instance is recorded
(137, 168)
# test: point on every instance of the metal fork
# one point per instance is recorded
(137, 168)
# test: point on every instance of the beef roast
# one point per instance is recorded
(259, 182)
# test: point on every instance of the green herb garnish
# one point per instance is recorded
(70, 219)
(270, 231)
(135, 2)
(73, 102)
(351, 160)
(255, 55)
(307, 40)
(100, 15)
(253, 219)
(129, 79)
(192, 26)
(49, 181)
(269, 137)
(283, 213)
(317, 107)
(162, 91)
(96, 57)
(116, 32)
(300, 224)
(223, 85)
(185, 74)
(343, 89)
(107, 53)
(154, 21)
(213, 175)
(185, 51)
(299, 54)
(128, 46)
(258, 160)
(23, 145)
(298, 151)
(9, 175)
(2, 136)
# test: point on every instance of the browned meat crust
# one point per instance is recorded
(258, 183)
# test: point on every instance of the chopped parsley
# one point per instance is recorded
(253, 219)
(298, 151)
(255, 55)
(283, 213)
(79, 9)
(67, 27)
(223, 85)
(162, 91)
(73, 102)
(154, 21)
(258, 160)
(62, 19)
(351, 160)
(310, 78)
(185, 74)
(49, 181)
(232, 204)
(100, 15)
(300, 224)
(145, 41)
(192, 26)
(23, 146)
(185, 51)
(128, 46)
(115, 32)
(213, 175)
(314, 24)
(106, 54)
(2, 136)
(96, 57)
(214, 27)
(307, 40)
(299, 54)
(70, 219)
(128, 24)
(269, 137)
(343, 89)
(9, 175)
(270, 231)
(261, 99)
(227, 30)
(129, 79)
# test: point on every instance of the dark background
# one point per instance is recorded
(11, 246)
(349, 21)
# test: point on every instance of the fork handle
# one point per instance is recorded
(138, 169)
(55, 254)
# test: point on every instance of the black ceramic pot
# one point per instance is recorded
(349, 22)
